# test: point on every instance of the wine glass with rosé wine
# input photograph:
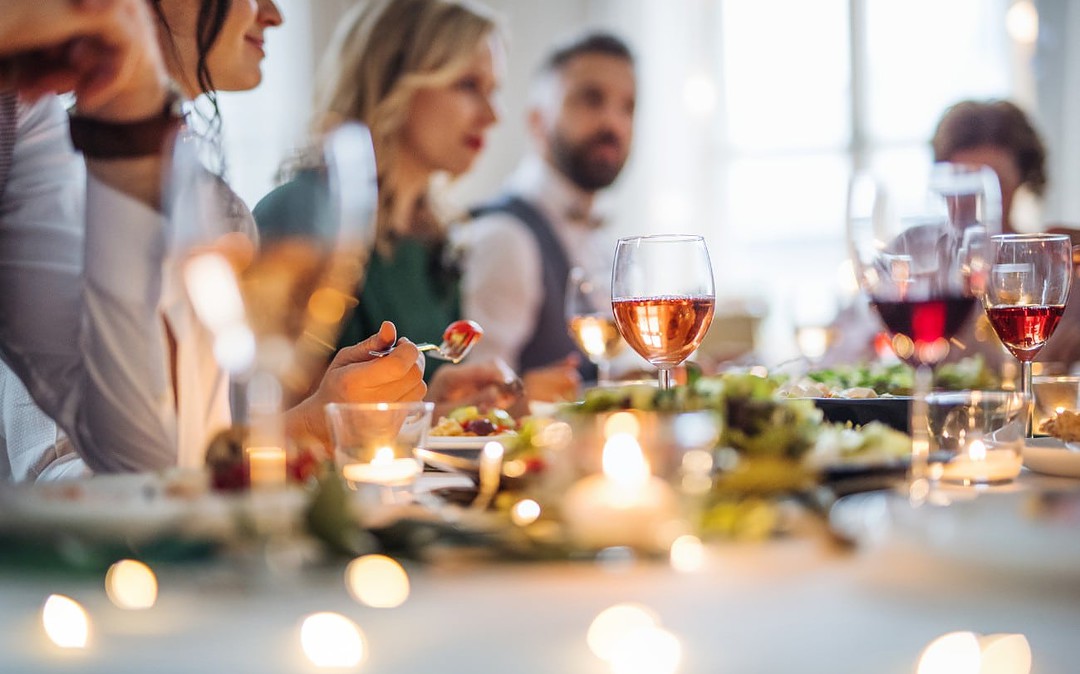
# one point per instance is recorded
(921, 254)
(663, 297)
(1025, 298)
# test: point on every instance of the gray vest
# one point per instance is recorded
(8, 123)
(551, 340)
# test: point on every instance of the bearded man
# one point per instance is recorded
(520, 248)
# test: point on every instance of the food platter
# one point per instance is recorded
(892, 411)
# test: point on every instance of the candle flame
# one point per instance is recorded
(384, 456)
(623, 461)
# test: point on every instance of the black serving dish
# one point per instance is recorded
(894, 412)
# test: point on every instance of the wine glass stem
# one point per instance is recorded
(919, 477)
(665, 378)
(1025, 388)
(603, 372)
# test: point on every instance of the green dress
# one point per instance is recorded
(412, 286)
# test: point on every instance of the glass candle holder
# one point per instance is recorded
(375, 443)
(978, 435)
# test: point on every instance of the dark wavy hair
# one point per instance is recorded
(212, 14)
(1000, 123)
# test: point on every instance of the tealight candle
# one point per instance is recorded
(625, 505)
(978, 464)
(266, 467)
(383, 469)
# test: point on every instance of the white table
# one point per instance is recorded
(799, 604)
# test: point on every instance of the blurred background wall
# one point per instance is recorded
(752, 115)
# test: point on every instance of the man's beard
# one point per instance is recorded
(573, 161)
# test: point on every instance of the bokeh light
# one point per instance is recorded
(687, 554)
(1005, 654)
(66, 623)
(131, 585)
(622, 422)
(377, 581)
(525, 512)
(613, 624)
(648, 650)
(953, 653)
(331, 640)
(1022, 22)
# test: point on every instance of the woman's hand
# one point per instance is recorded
(105, 51)
(355, 376)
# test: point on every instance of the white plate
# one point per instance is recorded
(1051, 456)
(442, 443)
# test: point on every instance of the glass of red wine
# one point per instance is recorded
(921, 253)
(1026, 293)
(663, 297)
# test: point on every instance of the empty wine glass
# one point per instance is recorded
(1025, 297)
(663, 298)
(274, 310)
(591, 322)
(921, 255)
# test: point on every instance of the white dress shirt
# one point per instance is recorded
(502, 284)
(89, 341)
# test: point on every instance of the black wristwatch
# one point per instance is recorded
(98, 139)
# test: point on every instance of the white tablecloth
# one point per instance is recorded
(799, 604)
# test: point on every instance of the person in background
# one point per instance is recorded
(526, 241)
(994, 133)
(87, 321)
(997, 134)
(422, 75)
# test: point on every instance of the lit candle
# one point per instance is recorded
(266, 467)
(626, 505)
(977, 464)
(384, 469)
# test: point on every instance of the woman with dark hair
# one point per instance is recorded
(151, 396)
(997, 134)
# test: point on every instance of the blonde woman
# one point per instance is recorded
(422, 75)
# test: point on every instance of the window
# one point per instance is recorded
(802, 93)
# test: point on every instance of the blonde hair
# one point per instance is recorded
(383, 52)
